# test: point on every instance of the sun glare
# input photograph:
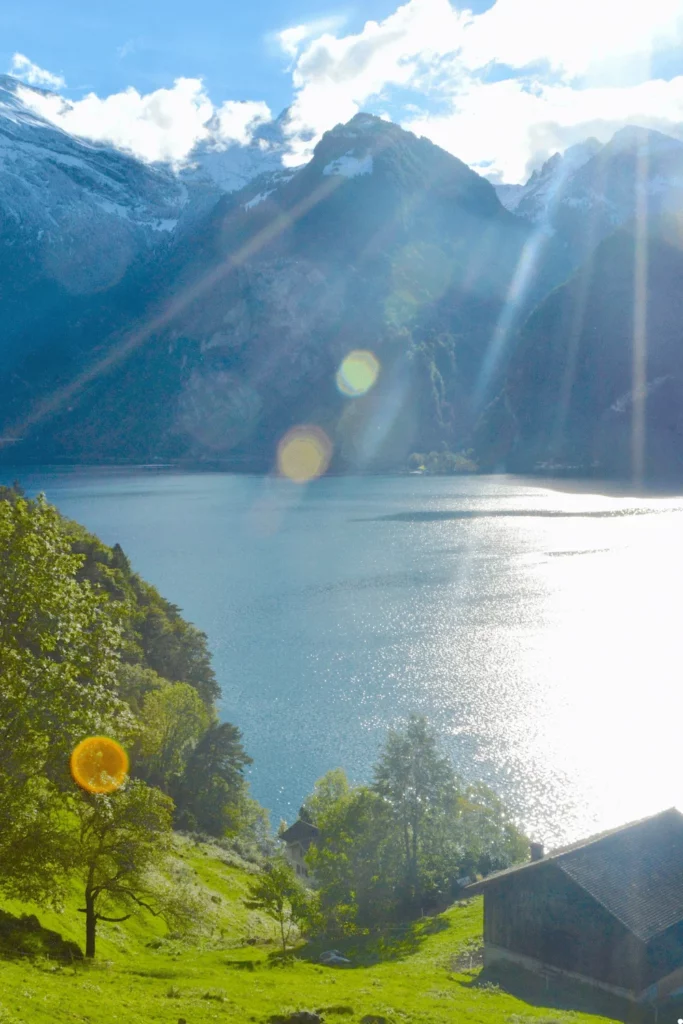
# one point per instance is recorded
(304, 454)
(99, 765)
(358, 373)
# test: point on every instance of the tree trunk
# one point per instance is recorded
(282, 933)
(90, 925)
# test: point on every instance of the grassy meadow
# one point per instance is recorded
(425, 973)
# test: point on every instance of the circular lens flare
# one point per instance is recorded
(304, 454)
(358, 373)
(99, 765)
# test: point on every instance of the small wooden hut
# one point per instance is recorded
(298, 839)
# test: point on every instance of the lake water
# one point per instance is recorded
(540, 631)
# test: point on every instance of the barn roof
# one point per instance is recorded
(300, 832)
(635, 872)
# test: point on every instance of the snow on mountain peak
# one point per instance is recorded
(230, 166)
(349, 166)
(84, 209)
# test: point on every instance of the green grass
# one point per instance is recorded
(234, 974)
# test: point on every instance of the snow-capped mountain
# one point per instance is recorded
(382, 241)
(545, 188)
(74, 211)
(230, 166)
(157, 312)
(603, 181)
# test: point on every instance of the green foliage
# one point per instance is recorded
(419, 785)
(135, 682)
(327, 791)
(59, 647)
(278, 893)
(173, 719)
(355, 863)
(390, 851)
(90, 647)
(410, 974)
(118, 840)
(212, 794)
(157, 637)
(180, 747)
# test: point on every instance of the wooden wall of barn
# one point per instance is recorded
(664, 953)
(541, 913)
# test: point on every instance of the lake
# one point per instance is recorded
(538, 629)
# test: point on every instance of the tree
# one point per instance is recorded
(134, 683)
(279, 894)
(59, 654)
(174, 648)
(327, 791)
(120, 839)
(212, 794)
(491, 841)
(173, 718)
(398, 847)
(355, 862)
(419, 784)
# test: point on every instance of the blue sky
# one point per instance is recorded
(149, 43)
(501, 83)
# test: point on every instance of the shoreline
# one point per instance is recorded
(602, 486)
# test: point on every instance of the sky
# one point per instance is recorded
(502, 84)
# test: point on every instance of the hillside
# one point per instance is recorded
(234, 974)
(155, 313)
(571, 390)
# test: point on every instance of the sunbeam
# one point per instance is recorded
(136, 338)
(639, 369)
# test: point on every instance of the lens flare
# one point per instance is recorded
(304, 454)
(99, 765)
(357, 373)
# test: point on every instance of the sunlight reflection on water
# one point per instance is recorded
(545, 645)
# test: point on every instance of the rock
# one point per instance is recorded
(300, 1017)
(334, 957)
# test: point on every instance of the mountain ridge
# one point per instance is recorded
(206, 334)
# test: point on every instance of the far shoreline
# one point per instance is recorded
(600, 486)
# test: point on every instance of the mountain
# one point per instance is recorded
(546, 188)
(153, 314)
(75, 217)
(581, 197)
(230, 166)
(575, 391)
(382, 242)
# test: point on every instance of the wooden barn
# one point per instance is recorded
(608, 910)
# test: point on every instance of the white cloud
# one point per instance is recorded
(572, 36)
(237, 121)
(506, 127)
(161, 125)
(502, 89)
(21, 67)
(334, 76)
(587, 65)
(290, 39)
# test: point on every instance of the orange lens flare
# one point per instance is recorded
(99, 765)
(358, 373)
(304, 454)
